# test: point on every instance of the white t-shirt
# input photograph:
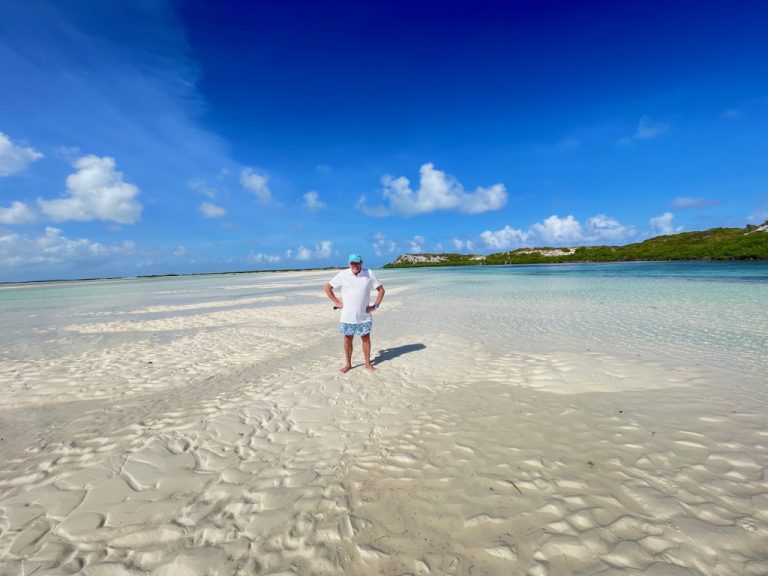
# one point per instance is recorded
(355, 294)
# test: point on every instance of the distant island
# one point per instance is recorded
(749, 243)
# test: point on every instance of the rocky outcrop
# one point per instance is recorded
(420, 259)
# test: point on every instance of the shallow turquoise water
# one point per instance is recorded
(697, 313)
(707, 313)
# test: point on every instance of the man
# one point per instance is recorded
(356, 284)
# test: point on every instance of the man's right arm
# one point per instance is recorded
(332, 296)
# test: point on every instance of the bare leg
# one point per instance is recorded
(367, 351)
(348, 353)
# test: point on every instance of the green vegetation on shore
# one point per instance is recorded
(749, 243)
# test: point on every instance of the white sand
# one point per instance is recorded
(222, 439)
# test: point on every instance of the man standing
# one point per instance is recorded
(356, 284)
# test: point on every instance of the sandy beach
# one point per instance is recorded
(216, 436)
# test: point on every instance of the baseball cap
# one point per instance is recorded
(355, 257)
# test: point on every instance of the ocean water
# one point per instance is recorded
(36, 317)
(702, 313)
(699, 313)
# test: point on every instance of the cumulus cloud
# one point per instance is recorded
(303, 253)
(96, 191)
(312, 201)
(256, 184)
(602, 227)
(663, 225)
(417, 244)
(15, 158)
(462, 245)
(688, 202)
(505, 238)
(260, 258)
(212, 210)
(53, 248)
(557, 231)
(383, 245)
(437, 191)
(17, 213)
(322, 250)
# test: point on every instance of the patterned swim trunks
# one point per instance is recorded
(355, 329)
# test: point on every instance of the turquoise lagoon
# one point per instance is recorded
(703, 313)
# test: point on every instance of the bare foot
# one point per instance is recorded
(346, 369)
(370, 367)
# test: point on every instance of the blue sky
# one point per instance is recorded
(151, 137)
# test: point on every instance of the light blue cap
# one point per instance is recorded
(355, 257)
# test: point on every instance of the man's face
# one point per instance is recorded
(355, 267)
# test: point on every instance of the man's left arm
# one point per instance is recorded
(379, 297)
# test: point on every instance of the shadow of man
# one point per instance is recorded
(391, 353)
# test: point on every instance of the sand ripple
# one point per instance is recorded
(233, 445)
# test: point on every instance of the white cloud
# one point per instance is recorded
(377, 211)
(303, 253)
(437, 191)
(52, 248)
(686, 202)
(180, 251)
(312, 201)
(261, 258)
(732, 113)
(462, 245)
(417, 244)
(382, 245)
(557, 231)
(323, 168)
(96, 191)
(503, 239)
(662, 225)
(14, 158)
(256, 184)
(322, 250)
(200, 185)
(602, 227)
(212, 210)
(17, 213)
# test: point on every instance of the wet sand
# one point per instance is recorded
(220, 438)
